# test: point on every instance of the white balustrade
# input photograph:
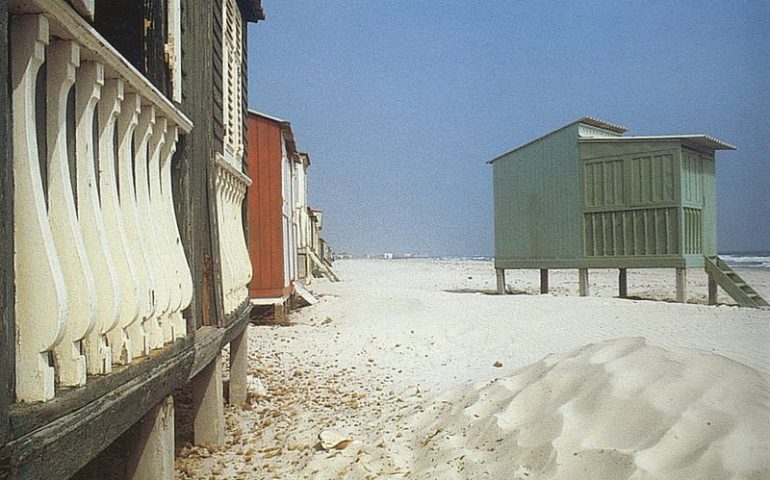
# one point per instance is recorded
(230, 188)
(101, 274)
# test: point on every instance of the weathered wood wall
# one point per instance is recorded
(192, 177)
(7, 327)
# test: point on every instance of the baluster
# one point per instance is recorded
(165, 199)
(128, 120)
(41, 295)
(224, 239)
(237, 235)
(63, 59)
(180, 259)
(90, 78)
(109, 109)
(228, 209)
(245, 259)
(145, 224)
(158, 223)
(222, 248)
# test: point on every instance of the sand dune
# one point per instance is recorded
(617, 409)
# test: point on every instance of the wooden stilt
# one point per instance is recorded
(543, 280)
(500, 281)
(681, 285)
(239, 365)
(583, 278)
(712, 290)
(152, 454)
(622, 283)
(208, 405)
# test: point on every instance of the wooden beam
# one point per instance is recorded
(7, 320)
(543, 280)
(26, 418)
(209, 341)
(61, 448)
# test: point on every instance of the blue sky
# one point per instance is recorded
(401, 103)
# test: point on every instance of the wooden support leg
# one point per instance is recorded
(500, 281)
(151, 455)
(583, 279)
(681, 285)
(239, 363)
(623, 283)
(712, 290)
(543, 280)
(208, 405)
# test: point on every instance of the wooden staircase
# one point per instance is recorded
(721, 274)
(323, 267)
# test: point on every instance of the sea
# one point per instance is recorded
(759, 260)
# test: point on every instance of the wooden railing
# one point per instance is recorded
(101, 275)
(230, 188)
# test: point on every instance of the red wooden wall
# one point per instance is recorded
(265, 200)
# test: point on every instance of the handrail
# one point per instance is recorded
(101, 274)
(66, 23)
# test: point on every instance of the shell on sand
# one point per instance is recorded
(331, 440)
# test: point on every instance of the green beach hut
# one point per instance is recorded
(587, 196)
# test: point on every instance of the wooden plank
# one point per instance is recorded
(7, 321)
(61, 448)
(26, 418)
(209, 341)
(543, 280)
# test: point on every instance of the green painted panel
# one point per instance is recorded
(652, 179)
(537, 200)
(692, 178)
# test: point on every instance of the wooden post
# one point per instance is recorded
(543, 280)
(500, 273)
(583, 279)
(7, 321)
(151, 456)
(623, 283)
(239, 364)
(681, 285)
(208, 405)
(712, 290)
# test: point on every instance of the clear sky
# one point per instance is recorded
(400, 103)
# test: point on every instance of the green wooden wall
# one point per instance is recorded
(537, 203)
(565, 202)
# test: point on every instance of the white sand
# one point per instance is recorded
(400, 358)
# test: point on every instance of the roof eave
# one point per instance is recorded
(251, 10)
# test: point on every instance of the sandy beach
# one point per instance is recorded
(411, 369)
